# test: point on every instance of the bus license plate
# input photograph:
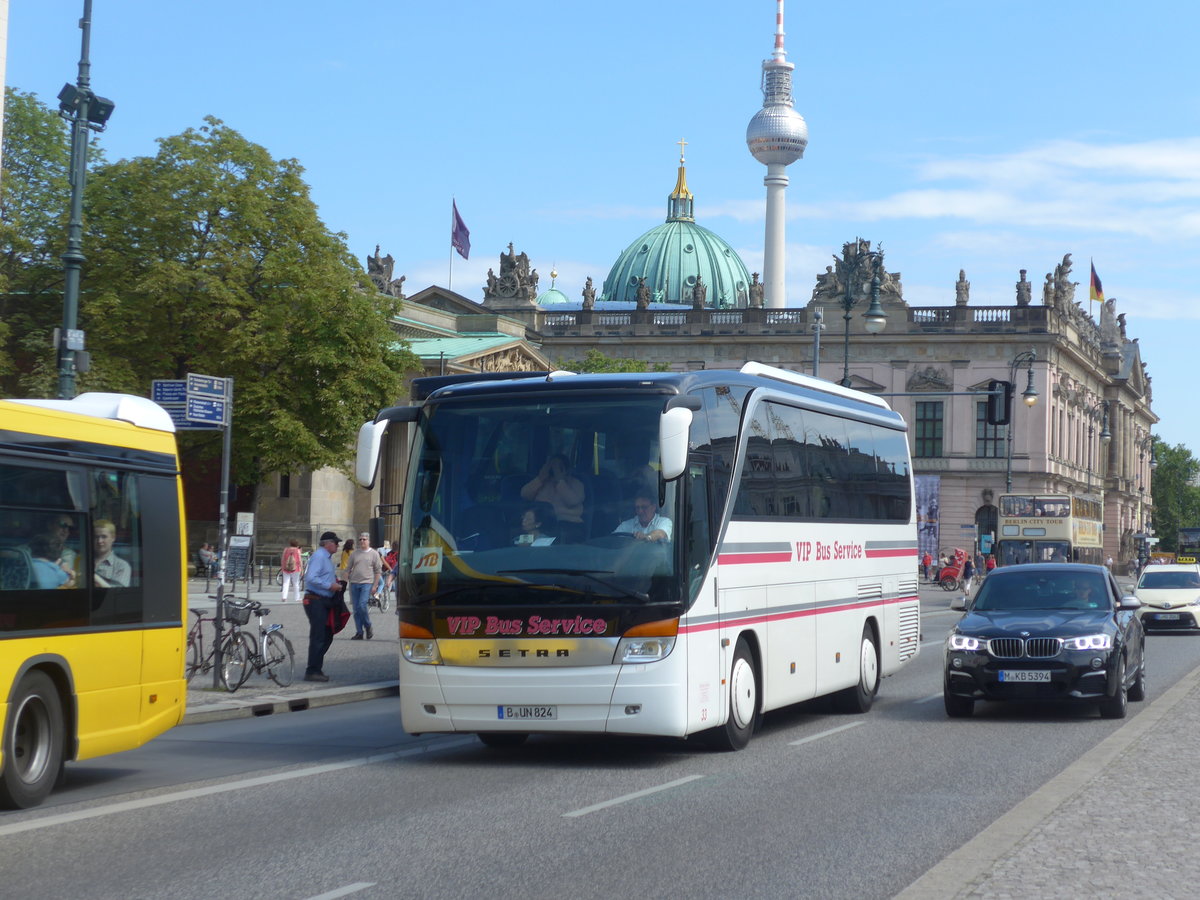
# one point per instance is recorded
(527, 712)
(1024, 675)
(1167, 617)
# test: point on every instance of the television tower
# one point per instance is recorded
(776, 136)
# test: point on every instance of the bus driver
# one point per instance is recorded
(646, 524)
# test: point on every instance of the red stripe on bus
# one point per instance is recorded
(741, 559)
(881, 554)
(730, 622)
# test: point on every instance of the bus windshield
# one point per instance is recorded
(531, 501)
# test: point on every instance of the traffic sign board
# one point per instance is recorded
(205, 386)
(178, 414)
(167, 391)
(200, 409)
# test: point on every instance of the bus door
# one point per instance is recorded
(705, 657)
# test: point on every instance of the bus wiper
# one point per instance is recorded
(588, 573)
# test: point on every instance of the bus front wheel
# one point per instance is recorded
(743, 702)
(858, 699)
(33, 743)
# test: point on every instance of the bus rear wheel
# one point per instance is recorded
(33, 743)
(743, 702)
(858, 699)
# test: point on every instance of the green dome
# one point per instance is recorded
(671, 256)
(552, 297)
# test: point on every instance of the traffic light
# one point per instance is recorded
(999, 403)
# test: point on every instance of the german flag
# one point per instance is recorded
(1097, 292)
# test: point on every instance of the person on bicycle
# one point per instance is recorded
(363, 571)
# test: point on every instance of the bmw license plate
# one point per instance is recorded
(1167, 617)
(526, 712)
(1024, 675)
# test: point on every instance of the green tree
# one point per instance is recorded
(35, 195)
(595, 361)
(1176, 497)
(209, 257)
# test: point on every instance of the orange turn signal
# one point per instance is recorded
(409, 630)
(660, 628)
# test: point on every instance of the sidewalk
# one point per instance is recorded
(358, 670)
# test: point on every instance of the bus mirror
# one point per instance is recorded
(375, 529)
(370, 439)
(673, 442)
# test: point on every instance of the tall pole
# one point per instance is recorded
(223, 532)
(73, 257)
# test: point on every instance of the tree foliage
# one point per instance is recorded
(208, 257)
(1176, 496)
(35, 196)
(595, 361)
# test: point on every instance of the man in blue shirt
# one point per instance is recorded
(321, 587)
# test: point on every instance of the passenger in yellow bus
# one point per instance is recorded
(554, 484)
(49, 570)
(57, 531)
(111, 570)
(646, 524)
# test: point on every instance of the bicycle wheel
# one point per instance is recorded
(235, 661)
(195, 658)
(279, 658)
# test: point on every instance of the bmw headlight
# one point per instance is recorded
(1089, 642)
(963, 642)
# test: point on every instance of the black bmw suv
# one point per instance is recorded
(1046, 631)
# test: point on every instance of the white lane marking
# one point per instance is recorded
(929, 699)
(343, 891)
(823, 734)
(635, 795)
(192, 793)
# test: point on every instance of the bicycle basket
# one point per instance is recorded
(238, 615)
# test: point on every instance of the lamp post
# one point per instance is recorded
(1029, 395)
(1097, 411)
(818, 325)
(84, 110)
(876, 319)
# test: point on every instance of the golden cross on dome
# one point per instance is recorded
(682, 146)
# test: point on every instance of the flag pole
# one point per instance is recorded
(450, 277)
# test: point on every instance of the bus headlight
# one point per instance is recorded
(423, 651)
(642, 650)
(648, 642)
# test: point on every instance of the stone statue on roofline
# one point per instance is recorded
(643, 293)
(516, 281)
(380, 269)
(1024, 291)
(962, 289)
(589, 294)
(699, 293)
(756, 291)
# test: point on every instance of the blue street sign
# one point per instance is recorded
(178, 414)
(205, 386)
(165, 391)
(200, 409)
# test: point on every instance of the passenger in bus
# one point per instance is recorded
(554, 484)
(646, 524)
(111, 570)
(49, 570)
(539, 526)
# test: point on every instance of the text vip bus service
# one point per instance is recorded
(1050, 528)
(651, 554)
(92, 584)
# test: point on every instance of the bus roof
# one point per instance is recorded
(137, 411)
(751, 375)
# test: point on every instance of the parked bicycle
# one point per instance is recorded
(271, 652)
(235, 657)
(379, 600)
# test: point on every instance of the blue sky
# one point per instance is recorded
(990, 137)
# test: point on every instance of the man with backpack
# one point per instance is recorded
(290, 566)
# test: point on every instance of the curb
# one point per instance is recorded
(269, 704)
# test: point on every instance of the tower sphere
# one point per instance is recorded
(777, 135)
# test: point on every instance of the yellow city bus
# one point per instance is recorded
(92, 584)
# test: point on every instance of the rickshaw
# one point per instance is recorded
(950, 577)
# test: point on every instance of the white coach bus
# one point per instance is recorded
(655, 554)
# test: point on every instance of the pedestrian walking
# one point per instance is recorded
(290, 566)
(363, 571)
(321, 590)
(926, 562)
(968, 574)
